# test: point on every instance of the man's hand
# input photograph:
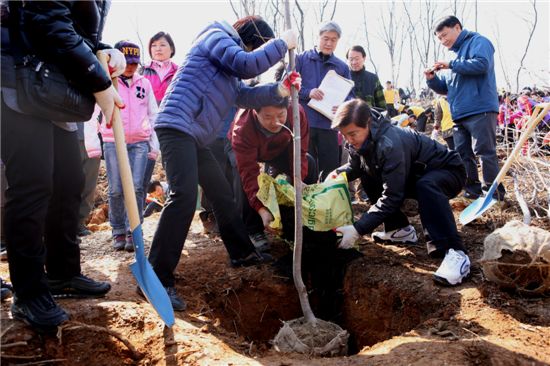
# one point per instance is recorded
(316, 94)
(350, 236)
(267, 218)
(429, 73)
(293, 79)
(117, 62)
(106, 100)
(441, 65)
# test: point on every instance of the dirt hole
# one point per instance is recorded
(374, 305)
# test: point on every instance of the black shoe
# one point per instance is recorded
(178, 304)
(6, 290)
(129, 245)
(252, 259)
(41, 312)
(119, 242)
(83, 230)
(5, 293)
(78, 286)
(471, 195)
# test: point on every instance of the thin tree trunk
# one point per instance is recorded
(298, 239)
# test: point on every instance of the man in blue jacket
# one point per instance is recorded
(470, 85)
(313, 65)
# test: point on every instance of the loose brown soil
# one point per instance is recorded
(392, 310)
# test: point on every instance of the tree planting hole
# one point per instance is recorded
(374, 303)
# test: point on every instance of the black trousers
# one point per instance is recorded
(45, 181)
(323, 146)
(432, 190)
(188, 165)
(421, 122)
(218, 150)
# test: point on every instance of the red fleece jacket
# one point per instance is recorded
(251, 146)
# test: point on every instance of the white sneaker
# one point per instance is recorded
(453, 269)
(259, 240)
(403, 235)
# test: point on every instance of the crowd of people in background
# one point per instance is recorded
(211, 129)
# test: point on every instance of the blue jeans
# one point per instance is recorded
(137, 154)
(475, 137)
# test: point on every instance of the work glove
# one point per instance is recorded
(291, 38)
(106, 100)
(331, 176)
(117, 62)
(350, 236)
(293, 79)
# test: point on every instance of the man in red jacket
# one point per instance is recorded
(258, 135)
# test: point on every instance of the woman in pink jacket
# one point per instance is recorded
(137, 117)
(160, 72)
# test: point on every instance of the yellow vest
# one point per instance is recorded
(391, 96)
(417, 110)
(447, 119)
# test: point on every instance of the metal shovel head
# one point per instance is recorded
(479, 206)
(148, 281)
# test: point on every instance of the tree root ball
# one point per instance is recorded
(322, 339)
(517, 257)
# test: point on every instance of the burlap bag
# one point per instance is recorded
(517, 256)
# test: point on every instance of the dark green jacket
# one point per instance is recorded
(368, 88)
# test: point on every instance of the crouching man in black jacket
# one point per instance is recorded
(394, 164)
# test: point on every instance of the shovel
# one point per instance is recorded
(145, 276)
(482, 204)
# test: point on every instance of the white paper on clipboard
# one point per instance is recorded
(336, 89)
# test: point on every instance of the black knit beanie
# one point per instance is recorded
(254, 31)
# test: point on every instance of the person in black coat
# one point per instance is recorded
(42, 157)
(393, 164)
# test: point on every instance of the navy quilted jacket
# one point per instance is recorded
(208, 83)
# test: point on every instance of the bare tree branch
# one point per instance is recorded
(237, 15)
(501, 59)
(367, 38)
(333, 10)
(531, 32)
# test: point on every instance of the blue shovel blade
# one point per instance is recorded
(148, 281)
(478, 207)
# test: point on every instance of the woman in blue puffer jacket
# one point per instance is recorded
(205, 87)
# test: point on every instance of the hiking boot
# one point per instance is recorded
(83, 230)
(454, 268)
(259, 240)
(406, 235)
(252, 259)
(129, 245)
(78, 286)
(178, 304)
(41, 312)
(119, 242)
(470, 195)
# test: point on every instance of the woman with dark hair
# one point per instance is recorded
(206, 87)
(393, 164)
(159, 72)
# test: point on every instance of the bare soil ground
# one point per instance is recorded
(392, 309)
